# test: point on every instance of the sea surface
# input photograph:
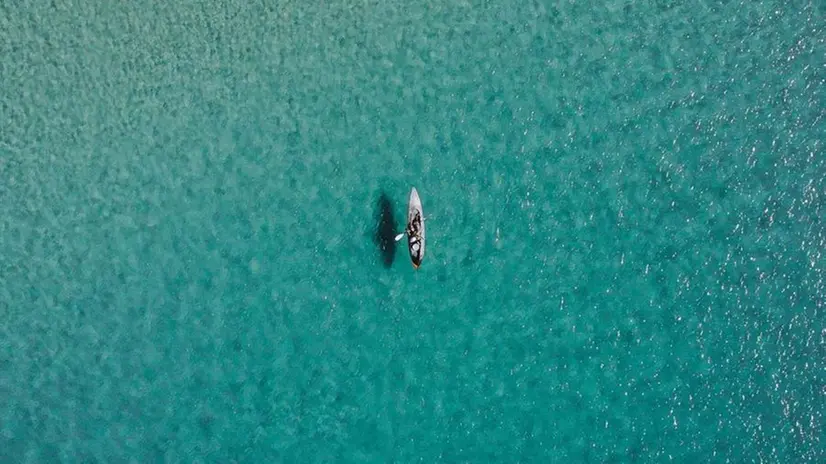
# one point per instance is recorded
(626, 231)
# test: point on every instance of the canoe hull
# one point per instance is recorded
(415, 229)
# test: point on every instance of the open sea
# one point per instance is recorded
(626, 231)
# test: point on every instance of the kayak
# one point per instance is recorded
(415, 229)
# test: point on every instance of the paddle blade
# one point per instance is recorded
(399, 237)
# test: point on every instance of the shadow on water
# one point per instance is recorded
(385, 230)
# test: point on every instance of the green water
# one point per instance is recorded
(626, 231)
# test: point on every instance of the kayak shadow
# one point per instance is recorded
(385, 236)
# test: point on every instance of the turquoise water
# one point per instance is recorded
(625, 256)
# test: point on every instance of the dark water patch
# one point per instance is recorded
(385, 230)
